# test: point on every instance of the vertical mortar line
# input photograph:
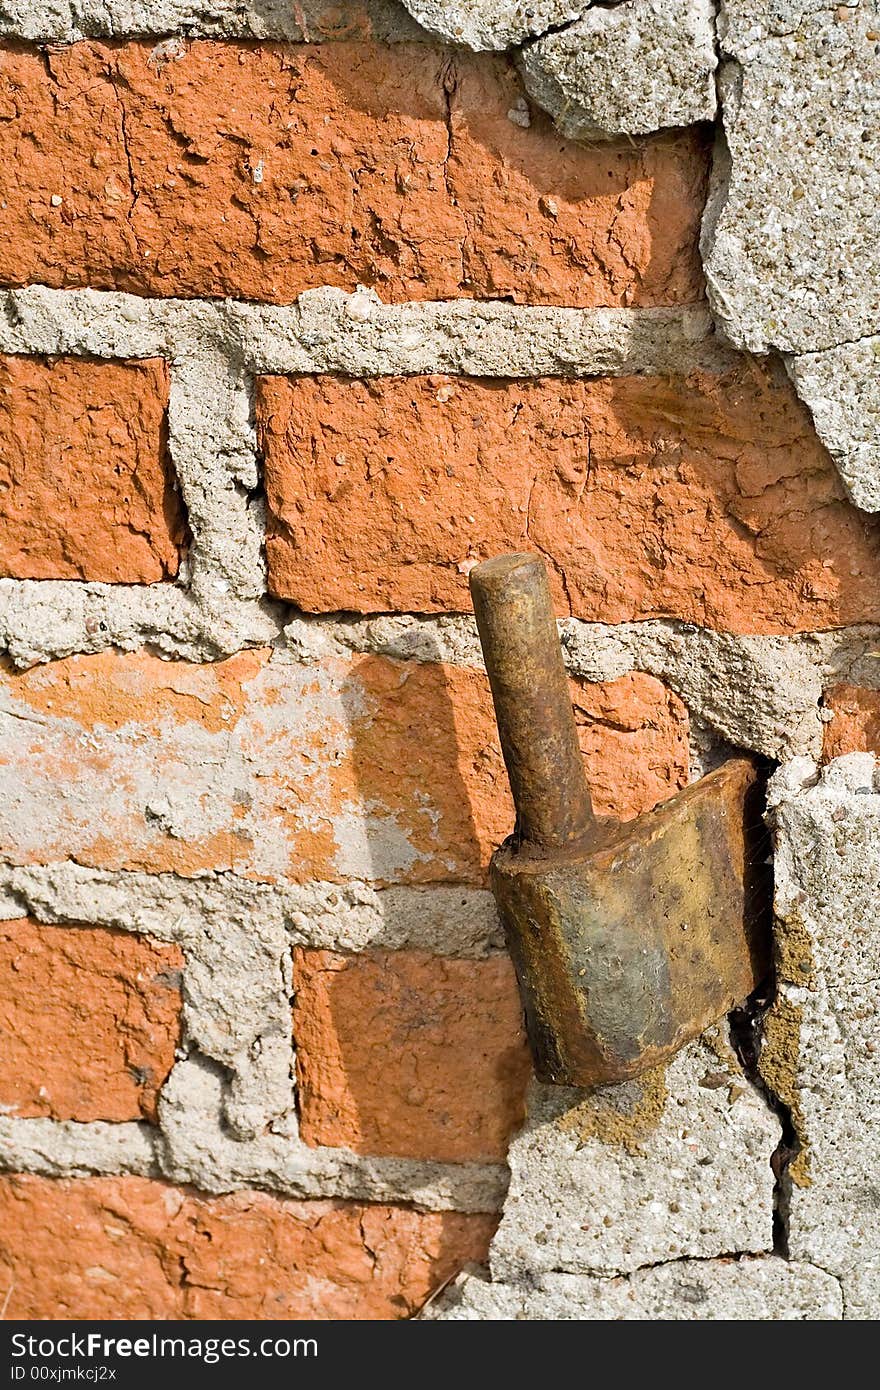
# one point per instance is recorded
(214, 454)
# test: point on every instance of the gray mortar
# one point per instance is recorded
(41, 620)
(66, 1149)
(311, 21)
(194, 1146)
(443, 920)
(642, 66)
(742, 1290)
(327, 330)
(759, 693)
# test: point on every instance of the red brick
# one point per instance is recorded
(347, 768)
(705, 498)
(86, 490)
(262, 171)
(89, 1020)
(855, 727)
(129, 1248)
(404, 1053)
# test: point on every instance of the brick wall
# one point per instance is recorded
(294, 332)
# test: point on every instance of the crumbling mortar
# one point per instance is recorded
(68, 21)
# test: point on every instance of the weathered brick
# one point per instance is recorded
(348, 768)
(129, 1248)
(263, 171)
(89, 1020)
(855, 727)
(706, 498)
(86, 490)
(404, 1053)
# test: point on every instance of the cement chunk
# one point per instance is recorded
(842, 389)
(823, 1033)
(483, 24)
(641, 66)
(68, 1149)
(792, 223)
(662, 1168)
(790, 241)
(746, 1290)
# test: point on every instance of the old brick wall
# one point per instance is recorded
(303, 313)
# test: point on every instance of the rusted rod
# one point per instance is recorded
(523, 657)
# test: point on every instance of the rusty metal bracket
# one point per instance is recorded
(628, 939)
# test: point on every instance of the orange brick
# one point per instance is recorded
(262, 171)
(855, 727)
(89, 1020)
(348, 768)
(129, 1248)
(706, 498)
(404, 1053)
(86, 490)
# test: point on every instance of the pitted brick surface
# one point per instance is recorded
(131, 1248)
(86, 487)
(706, 498)
(260, 172)
(89, 1020)
(399, 1052)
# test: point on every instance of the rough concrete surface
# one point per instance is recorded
(742, 1290)
(842, 388)
(483, 24)
(822, 1035)
(792, 223)
(789, 246)
(641, 65)
(663, 1168)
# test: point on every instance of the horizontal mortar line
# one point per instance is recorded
(172, 907)
(352, 631)
(330, 330)
(57, 1148)
(48, 21)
